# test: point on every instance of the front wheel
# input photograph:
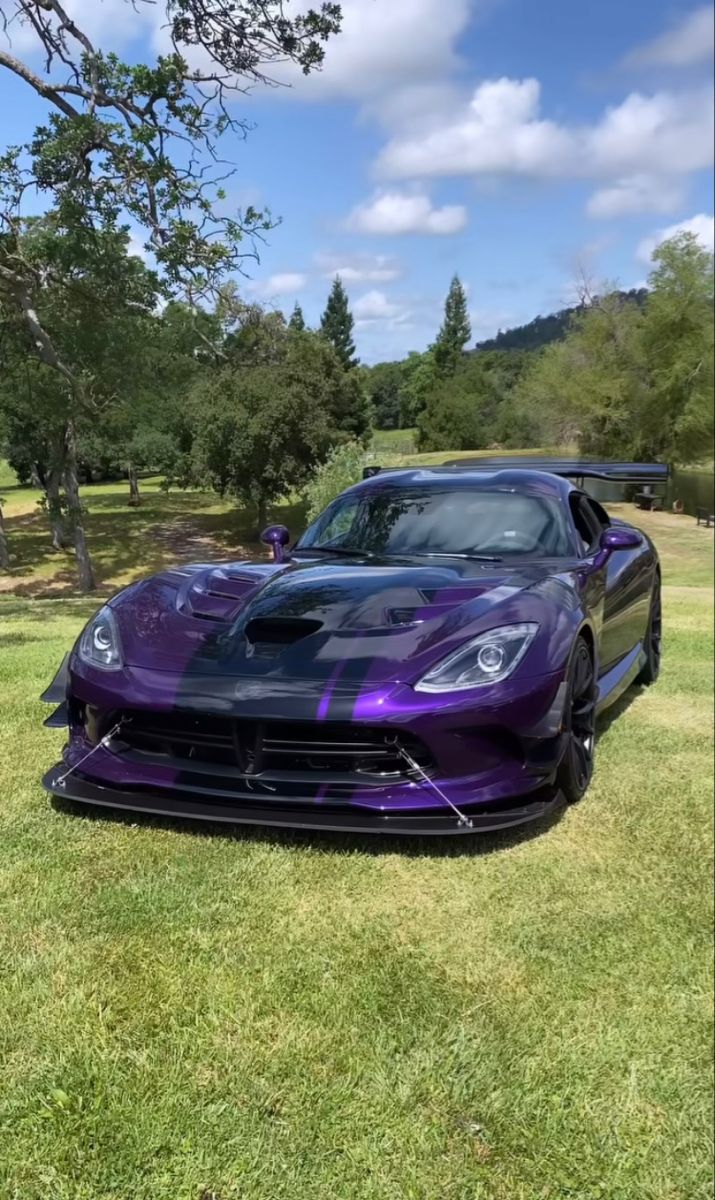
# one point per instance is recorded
(579, 725)
(652, 644)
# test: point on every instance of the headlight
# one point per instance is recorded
(99, 644)
(489, 658)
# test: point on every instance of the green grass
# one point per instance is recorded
(189, 1012)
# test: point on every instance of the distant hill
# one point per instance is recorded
(543, 330)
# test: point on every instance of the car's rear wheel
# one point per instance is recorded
(579, 724)
(652, 645)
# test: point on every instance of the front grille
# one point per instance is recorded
(327, 752)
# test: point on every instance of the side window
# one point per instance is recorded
(598, 513)
(588, 524)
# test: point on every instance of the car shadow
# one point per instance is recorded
(618, 709)
(377, 844)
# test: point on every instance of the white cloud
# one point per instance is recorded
(635, 194)
(284, 283)
(98, 19)
(385, 45)
(688, 43)
(374, 306)
(501, 132)
(649, 133)
(359, 268)
(702, 225)
(498, 131)
(395, 213)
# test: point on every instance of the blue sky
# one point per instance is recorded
(513, 142)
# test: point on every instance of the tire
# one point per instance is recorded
(653, 640)
(579, 725)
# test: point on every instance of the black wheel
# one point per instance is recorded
(579, 725)
(652, 644)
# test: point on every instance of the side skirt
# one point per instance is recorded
(615, 682)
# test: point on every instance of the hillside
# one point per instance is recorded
(542, 330)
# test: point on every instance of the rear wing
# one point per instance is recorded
(569, 468)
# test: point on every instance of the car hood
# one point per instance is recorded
(321, 620)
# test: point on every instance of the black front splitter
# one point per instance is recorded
(306, 816)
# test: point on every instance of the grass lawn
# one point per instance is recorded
(191, 1014)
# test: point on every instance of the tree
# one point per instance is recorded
(678, 343)
(113, 147)
(419, 377)
(634, 381)
(259, 428)
(336, 324)
(465, 411)
(455, 330)
(383, 382)
(92, 306)
(297, 320)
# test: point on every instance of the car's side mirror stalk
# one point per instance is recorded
(277, 537)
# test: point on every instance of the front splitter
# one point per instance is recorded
(275, 814)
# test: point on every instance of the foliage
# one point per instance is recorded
(124, 142)
(342, 468)
(336, 324)
(468, 410)
(455, 330)
(634, 381)
(678, 343)
(383, 385)
(297, 320)
(260, 427)
(419, 377)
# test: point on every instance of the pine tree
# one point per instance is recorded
(455, 331)
(336, 324)
(297, 320)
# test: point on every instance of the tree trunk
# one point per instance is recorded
(261, 515)
(53, 482)
(4, 552)
(87, 581)
(38, 477)
(54, 507)
(134, 497)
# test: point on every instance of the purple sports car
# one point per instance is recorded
(429, 657)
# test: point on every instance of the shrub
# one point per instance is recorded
(341, 469)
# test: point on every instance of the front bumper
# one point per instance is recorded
(494, 761)
(306, 815)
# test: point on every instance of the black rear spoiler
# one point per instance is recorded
(570, 468)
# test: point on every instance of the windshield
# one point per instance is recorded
(432, 521)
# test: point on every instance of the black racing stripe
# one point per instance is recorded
(355, 672)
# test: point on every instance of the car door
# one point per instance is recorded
(629, 581)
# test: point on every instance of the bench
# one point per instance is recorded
(703, 516)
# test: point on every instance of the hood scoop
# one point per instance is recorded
(215, 594)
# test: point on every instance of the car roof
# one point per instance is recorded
(530, 482)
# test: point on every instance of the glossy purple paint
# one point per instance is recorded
(190, 646)
(277, 537)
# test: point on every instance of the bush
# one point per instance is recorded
(341, 469)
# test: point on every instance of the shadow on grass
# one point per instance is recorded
(618, 709)
(130, 543)
(327, 842)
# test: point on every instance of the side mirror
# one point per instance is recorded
(619, 537)
(277, 537)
